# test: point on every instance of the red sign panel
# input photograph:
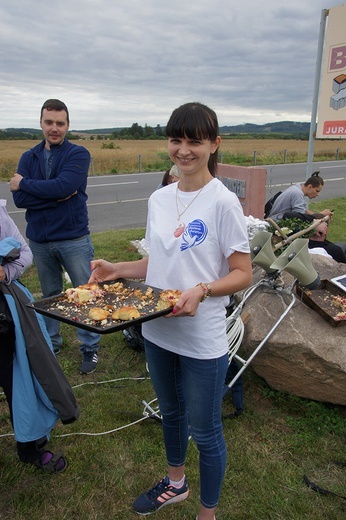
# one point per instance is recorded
(334, 128)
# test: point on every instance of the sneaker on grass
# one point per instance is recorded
(89, 363)
(162, 494)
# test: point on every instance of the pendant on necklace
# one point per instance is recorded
(180, 230)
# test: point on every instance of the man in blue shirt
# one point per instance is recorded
(50, 184)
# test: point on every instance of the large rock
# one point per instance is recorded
(306, 355)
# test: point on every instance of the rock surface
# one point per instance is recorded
(306, 355)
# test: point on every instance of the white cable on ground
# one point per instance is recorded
(146, 414)
(235, 333)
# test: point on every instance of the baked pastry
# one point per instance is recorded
(167, 299)
(84, 293)
(126, 313)
(98, 314)
(340, 301)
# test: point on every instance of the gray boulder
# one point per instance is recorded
(306, 355)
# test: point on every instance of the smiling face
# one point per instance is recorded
(191, 155)
(193, 133)
(54, 126)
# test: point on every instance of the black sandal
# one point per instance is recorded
(51, 462)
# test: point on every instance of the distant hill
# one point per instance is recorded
(92, 131)
(25, 130)
(286, 128)
(20, 133)
(98, 131)
(27, 133)
(283, 127)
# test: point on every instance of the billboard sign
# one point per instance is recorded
(331, 114)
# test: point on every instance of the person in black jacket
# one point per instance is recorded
(12, 267)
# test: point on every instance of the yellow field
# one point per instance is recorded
(128, 156)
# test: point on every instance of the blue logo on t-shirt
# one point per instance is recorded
(194, 234)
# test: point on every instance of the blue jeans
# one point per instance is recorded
(189, 393)
(75, 256)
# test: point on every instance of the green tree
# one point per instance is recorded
(136, 131)
(159, 132)
(148, 131)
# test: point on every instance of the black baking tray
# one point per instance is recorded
(77, 315)
(320, 300)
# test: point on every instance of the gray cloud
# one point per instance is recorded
(119, 62)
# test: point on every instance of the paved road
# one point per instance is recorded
(333, 173)
(120, 201)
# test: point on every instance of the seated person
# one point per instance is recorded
(336, 251)
(170, 176)
(293, 203)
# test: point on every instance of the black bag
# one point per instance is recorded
(43, 363)
(269, 204)
(5, 315)
(133, 337)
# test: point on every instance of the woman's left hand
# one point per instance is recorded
(188, 303)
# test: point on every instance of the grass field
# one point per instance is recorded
(278, 439)
(134, 156)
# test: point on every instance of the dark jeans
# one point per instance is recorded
(334, 250)
(189, 393)
(301, 216)
(27, 451)
(75, 256)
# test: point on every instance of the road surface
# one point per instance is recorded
(120, 201)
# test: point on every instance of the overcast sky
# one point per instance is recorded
(117, 62)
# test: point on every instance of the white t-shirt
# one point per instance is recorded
(319, 251)
(215, 227)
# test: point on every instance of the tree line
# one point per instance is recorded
(13, 134)
(138, 132)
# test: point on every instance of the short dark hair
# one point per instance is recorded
(195, 121)
(55, 104)
(315, 180)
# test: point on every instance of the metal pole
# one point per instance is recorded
(313, 123)
(264, 340)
